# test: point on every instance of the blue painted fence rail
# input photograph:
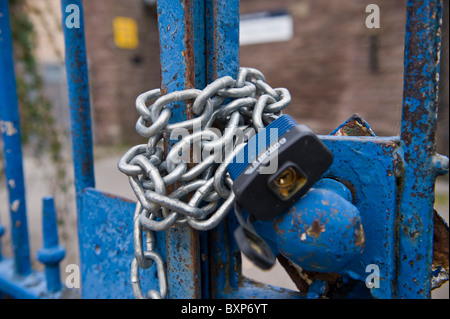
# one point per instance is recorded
(12, 146)
(17, 278)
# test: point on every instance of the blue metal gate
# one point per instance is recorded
(391, 178)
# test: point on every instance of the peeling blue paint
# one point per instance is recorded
(106, 247)
(389, 180)
(12, 146)
(181, 29)
(419, 119)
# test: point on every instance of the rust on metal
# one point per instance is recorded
(360, 240)
(354, 126)
(189, 54)
(182, 243)
(316, 229)
(440, 243)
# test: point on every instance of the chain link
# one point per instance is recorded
(203, 196)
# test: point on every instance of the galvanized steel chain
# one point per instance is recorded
(229, 112)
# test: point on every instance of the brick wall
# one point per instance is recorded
(117, 75)
(326, 66)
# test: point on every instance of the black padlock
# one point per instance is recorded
(277, 167)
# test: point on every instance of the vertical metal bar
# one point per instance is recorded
(79, 104)
(198, 19)
(420, 100)
(78, 86)
(12, 145)
(52, 253)
(199, 34)
(178, 71)
(2, 232)
(222, 27)
(222, 58)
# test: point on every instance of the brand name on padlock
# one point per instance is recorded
(266, 156)
(297, 158)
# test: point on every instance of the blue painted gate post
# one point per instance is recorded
(10, 128)
(419, 120)
(181, 32)
(79, 99)
(79, 103)
(222, 54)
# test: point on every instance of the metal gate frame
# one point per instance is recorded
(392, 178)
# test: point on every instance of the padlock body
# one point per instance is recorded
(292, 160)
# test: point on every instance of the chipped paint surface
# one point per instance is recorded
(8, 128)
(354, 126)
(222, 59)
(12, 146)
(80, 115)
(362, 164)
(370, 167)
(29, 287)
(320, 235)
(79, 100)
(15, 206)
(222, 32)
(106, 247)
(418, 131)
(180, 27)
(365, 163)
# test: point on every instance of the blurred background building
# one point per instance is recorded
(333, 65)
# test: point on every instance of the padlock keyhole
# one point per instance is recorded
(288, 182)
